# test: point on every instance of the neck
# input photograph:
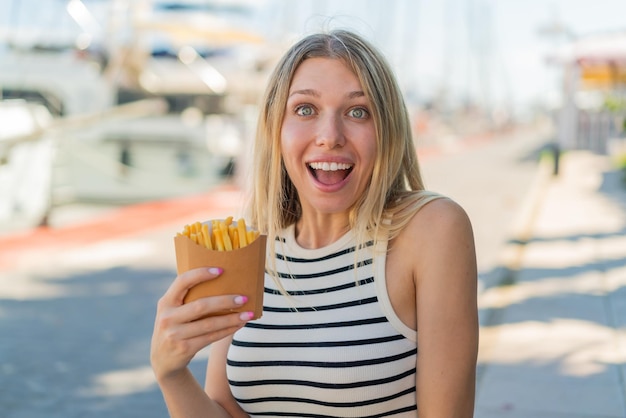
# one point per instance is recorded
(319, 232)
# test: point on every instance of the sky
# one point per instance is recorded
(489, 52)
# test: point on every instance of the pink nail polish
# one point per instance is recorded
(216, 270)
(246, 316)
(240, 300)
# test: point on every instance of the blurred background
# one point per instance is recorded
(122, 101)
(121, 120)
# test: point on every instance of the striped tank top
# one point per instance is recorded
(333, 348)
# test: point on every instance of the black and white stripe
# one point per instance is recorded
(330, 348)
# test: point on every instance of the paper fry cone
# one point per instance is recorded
(243, 272)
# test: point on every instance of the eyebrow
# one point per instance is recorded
(315, 93)
(306, 92)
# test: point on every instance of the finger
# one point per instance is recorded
(213, 327)
(184, 281)
(198, 343)
(202, 307)
(170, 352)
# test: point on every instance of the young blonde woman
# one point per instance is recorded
(370, 289)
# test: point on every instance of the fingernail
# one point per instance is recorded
(215, 270)
(246, 316)
(240, 300)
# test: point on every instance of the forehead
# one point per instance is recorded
(321, 72)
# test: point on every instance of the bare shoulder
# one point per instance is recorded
(439, 234)
(442, 218)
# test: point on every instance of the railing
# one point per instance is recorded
(597, 131)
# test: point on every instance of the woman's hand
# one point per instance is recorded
(181, 330)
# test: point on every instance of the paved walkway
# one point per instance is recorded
(77, 307)
(553, 341)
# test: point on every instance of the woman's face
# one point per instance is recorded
(328, 137)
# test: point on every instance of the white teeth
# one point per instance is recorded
(326, 166)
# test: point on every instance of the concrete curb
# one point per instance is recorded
(511, 255)
(510, 258)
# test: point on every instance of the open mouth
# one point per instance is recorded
(330, 173)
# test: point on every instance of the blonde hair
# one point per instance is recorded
(398, 191)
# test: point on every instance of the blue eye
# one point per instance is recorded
(304, 110)
(359, 113)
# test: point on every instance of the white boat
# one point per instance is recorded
(25, 166)
(182, 52)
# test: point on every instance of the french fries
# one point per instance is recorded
(220, 235)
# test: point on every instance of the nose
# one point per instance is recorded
(330, 132)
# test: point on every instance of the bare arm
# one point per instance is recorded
(185, 397)
(216, 384)
(447, 314)
(180, 331)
